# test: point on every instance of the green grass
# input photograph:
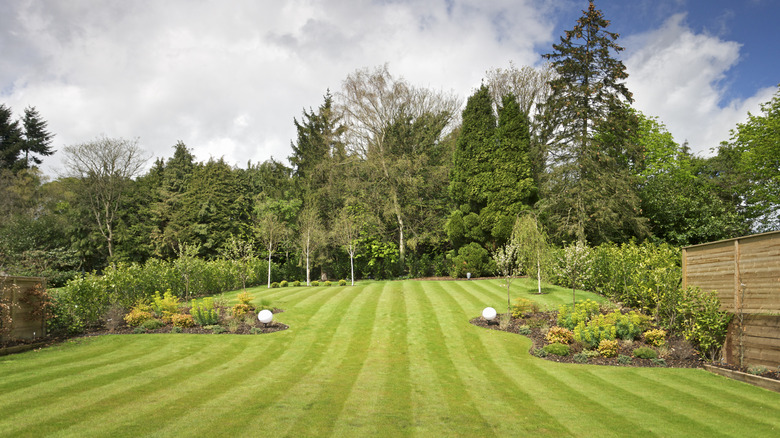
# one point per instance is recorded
(377, 359)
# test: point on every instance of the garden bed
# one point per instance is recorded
(678, 352)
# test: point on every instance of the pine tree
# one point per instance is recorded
(10, 138)
(37, 140)
(590, 193)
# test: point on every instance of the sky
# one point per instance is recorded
(228, 77)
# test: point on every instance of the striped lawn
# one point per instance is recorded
(377, 359)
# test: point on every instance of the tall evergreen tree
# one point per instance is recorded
(490, 182)
(10, 138)
(37, 140)
(590, 192)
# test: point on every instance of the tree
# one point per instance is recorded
(590, 192)
(36, 139)
(529, 85)
(271, 224)
(10, 138)
(532, 247)
(104, 167)
(490, 181)
(373, 103)
(310, 235)
(757, 143)
(507, 262)
(346, 232)
(240, 252)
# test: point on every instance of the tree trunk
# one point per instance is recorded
(269, 268)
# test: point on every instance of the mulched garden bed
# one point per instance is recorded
(242, 328)
(680, 355)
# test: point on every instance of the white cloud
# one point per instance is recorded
(680, 77)
(228, 79)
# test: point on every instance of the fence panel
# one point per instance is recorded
(26, 322)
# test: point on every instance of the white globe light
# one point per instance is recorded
(265, 316)
(489, 313)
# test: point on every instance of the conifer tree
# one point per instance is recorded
(590, 193)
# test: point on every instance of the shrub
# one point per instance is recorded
(659, 362)
(255, 330)
(608, 347)
(138, 315)
(176, 329)
(315, 283)
(472, 258)
(524, 306)
(240, 310)
(656, 338)
(139, 330)
(152, 324)
(216, 329)
(283, 283)
(166, 305)
(581, 358)
(592, 333)
(624, 360)
(245, 298)
(557, 349)
(757, 370)
(628, 326)
(296, 283)
(327, 283)
(559, 335)
(540, 352)
(204, 313)
(645, 353)
(704, 325)
(181, 320)
(581, 313)
(342, 282)
(524, 330)
(274, 285)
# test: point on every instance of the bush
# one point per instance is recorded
(204, 313)
(557, 349)
(181, 320)
(176, 329)
(540, 352)
(138, 315)
(327, 283)
(645, 353)
(342, 282)
(757, 370)
(315, 283)
(245, 298)
(283, 283)
(659, 362)
(274, 285)
(624, 360)
(608, 347)
(524, 306)
(581, 358)
(524, 330)
(152, 324)
(216, 329)
(296, 283)
(559, 335)
(581, 313)
(630, 326)
(656, 338)
(240, 310)
(166, 305)
(704, 325)
(472, 258)
(596, 330)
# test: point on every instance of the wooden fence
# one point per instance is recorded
(22, 304)
(745, 272)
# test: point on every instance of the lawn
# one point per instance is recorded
(376, 359)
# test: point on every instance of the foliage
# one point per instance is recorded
(139, 315)
(274, 285)
(342, 282)
(608, 347)
(703, 324)
(630, 326)
(645, 353)
(327, 283)
(165, 306)
(556, 349)
(655, 337)
(152, 324)
(296, 283)
(524, 306)
(182, 320)
(524, 330)
(624, 360)
(315, 283)
(283, 283)
(573, 266)
(204, 312)
(472, 258)
(581, 313)
(596, 330)
(560, 335)
(756, 370)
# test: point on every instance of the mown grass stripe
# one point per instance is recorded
(133, 383)
(342, 367)
(265, 386)
(482, 345)
(67, 386)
